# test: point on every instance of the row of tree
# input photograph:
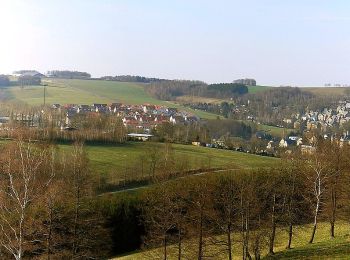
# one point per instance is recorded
(198, 217)
(46, 203)
(170, 89)
(270, 106)
(130, 78)
(68, 74)
(47, 124)
(48, 208)
(25, 80)
(4, 81)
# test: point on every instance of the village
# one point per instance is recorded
(143, 117)
(322, 119)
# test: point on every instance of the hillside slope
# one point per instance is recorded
(76, 91)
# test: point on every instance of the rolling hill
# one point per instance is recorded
(108, 158)
(74, 91)
(323, 248)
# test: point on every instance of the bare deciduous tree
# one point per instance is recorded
(26, 176)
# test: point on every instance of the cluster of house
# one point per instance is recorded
(133, 116)
(308, 144)
(322, 119)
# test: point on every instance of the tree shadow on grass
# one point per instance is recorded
(324, 250)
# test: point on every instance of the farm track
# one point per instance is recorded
(176, 178)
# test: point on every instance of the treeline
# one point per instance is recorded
(48, 126)
(220, 129)
(25, 80)
(273, 105)
(130, 78)
(20, 72)
(202, 132)
(197, 217)
(248, 82)
(49, 209)
(226, 89)
(67, 74)
(47, 205)
(268, 107)
(169, 90)
(224, 109)
(4, 81)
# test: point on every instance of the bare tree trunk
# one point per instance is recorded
(290, 235)
(75, 226)
(245, 233)
(334, 199)
(257, 248)
(333, 210)
(317, 208)
(179, 245)
(165, 248)
(49, 235)
(200, 242)
(244, 255)
(273, 226)
(229, 241)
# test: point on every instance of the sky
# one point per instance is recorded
(289, 42)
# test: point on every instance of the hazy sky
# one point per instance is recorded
(304, 42)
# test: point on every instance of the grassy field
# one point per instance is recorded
(274, 130)
(65, 91)
(257, 89)
(323, 248)
(326, 91)
(107, 158)
(196, 99)
(74, 91)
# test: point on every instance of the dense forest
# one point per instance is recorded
(269, 107)
(169, 90)
(130, 78)
(67, 74)
(277, 103)
(228, 128)
(202, 132)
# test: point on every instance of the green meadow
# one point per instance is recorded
(257, 89)
(323, 248)
(109, 158)
(75, 91)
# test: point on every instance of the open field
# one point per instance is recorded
(257, 89)
(274, 130)
(74, 91)
(196, 99)
(326, 91)
(107, 158)
(323, 248)
(65, 91)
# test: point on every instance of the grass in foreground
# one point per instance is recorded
(323, 248)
